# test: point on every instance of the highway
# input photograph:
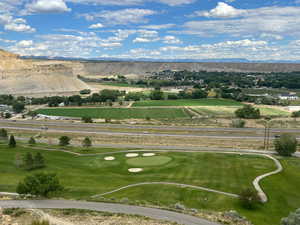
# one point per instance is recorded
(103, 129)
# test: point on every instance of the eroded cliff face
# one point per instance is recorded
(144, 68)
(18, 76)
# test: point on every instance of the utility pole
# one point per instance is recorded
(267, 133)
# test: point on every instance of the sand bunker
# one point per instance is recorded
(109, 158)
(131, 155)
(148, 154)
(135, 170)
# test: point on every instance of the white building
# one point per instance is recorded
(288, 97)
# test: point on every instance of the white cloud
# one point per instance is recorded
(123, 16)
(171, 40)
(158, 27)
(222, 10)
(17, 25)
(46, 6)
(142, 40)
(272, 20)
(131, 2)
(96, 26)
(271, 36)
(25, 43)
(7, 41)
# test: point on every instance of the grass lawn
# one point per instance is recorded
(90, 175)
(149, 161)
(116, 113)
(188, 102)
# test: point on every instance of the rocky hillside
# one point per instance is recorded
(143, 68)
(45, 77)
(19, 76)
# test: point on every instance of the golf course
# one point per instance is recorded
(93, 175)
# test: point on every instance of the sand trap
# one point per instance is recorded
(135, 170)
(149, 154)
(131, 155)
(109, 158)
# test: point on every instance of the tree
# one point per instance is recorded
(156, 95)
(12, 142)
(292, 219)
(40, 184)
(87, 142)
(249, 198)
(64, 141)
(286, 145)
(296, 114)
(3, 134)
(18, 107)
(32, 141)
(248, 112)
(18, 160)
(199, 94)
(39, 161)
(87, 119)
(28, 162)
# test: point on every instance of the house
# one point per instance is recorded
(290, 96)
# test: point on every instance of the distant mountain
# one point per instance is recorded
(220, 60)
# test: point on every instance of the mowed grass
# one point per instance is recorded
(90, 175)
(148, 161)
(116, 113)
(188, 102)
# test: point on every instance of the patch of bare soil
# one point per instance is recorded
(72, 217)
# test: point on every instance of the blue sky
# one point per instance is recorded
(162, 29)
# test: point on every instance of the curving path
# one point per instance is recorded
(256, 182)
(168, 183)
(153, 213)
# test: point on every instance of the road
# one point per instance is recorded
(108, 207)
(126, 126)
(96, 129)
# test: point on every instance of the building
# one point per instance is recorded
(289, 96)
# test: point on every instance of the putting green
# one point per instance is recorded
(148, 161)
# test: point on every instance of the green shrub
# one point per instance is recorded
(248, 112)
(292, 219)
(32, 141)
(286, 145)
(238, 123)
(249, 199)
(12, 142)
(3, 134)
(64, 141)
(40, 184)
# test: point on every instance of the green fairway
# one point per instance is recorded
(116, 113)
(188, 102)
(149, 161)
(90, 175)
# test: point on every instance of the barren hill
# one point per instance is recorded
(19, 76)
(142, 68)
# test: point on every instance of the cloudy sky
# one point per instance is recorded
(162, 29)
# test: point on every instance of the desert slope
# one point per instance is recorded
(19, 76)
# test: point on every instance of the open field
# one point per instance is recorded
(188, 102)
(228, 111)
(229, 173)
(116, 113)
